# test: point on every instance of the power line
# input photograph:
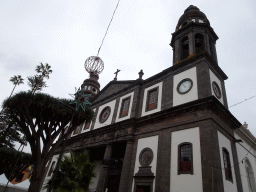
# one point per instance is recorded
(242, 101)
(108, 27)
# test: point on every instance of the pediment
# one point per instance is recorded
(112, 88)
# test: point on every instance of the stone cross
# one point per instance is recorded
(117, 71)
(141, 74)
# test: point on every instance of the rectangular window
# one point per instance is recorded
(185, 158)
(125, 107)
(152, 99)
(87, 125)
(51, 169)
(75, 131)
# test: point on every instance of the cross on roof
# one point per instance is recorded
(117, 71)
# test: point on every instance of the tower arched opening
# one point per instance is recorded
(199, 43)
(184, 48)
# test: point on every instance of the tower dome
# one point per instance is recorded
(192, 13)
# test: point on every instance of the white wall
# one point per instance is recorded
(213, 77)
(94, 183)
(54, 158)
(46, 179)
(192, 95)
(120, 105)
(108, 121)
(186, 182)
(241, 153)
(152, 143)
(225, 142)
(144, 112)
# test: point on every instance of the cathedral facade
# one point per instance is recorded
(172, 132)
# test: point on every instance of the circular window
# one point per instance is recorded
(185, 86)
(216, 89)
(104, 114)
(146, 157)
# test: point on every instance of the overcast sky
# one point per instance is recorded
(64, 33)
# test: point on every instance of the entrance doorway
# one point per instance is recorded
(141, 188)
(113, 183)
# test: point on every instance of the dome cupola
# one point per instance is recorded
(192, 14)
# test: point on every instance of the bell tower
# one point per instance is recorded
(193, 36)
(194, 54)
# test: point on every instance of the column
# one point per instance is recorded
(104, 170)
(123, 186)
(191, 43)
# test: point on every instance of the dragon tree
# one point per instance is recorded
(44, 120)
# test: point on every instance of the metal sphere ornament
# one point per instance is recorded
(94, 64)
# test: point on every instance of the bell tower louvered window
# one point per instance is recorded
(152, 99)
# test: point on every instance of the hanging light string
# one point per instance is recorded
(108, 27)
(242, 101)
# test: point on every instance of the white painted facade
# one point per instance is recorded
(47, 178)
(94, 183)
(225, 142)
(152, 143)
(192, 95)
(120, 105)
(54, 159)
(108, 121)
(213, 77)
(246, 153)
(160, 87)
(186, 182)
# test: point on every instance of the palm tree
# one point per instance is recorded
(45, 70)
(36, 82)
(75, 174)
(16, 80)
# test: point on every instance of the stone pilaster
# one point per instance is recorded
(104, 170)
(123, 186)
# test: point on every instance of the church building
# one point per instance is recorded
(172, 132)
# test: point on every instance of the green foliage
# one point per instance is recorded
(75, 174)
(16, 80)
(44, 118)
(11, 132)
(37, 82)
(44, 106)
(8, 160)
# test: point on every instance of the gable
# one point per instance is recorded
(111, 88)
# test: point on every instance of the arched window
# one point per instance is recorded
(51, 169)
(185, 158)
(250, 176)
(227, 165)
(184, 48)
(199, 43)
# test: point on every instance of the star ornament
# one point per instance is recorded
(80, 94)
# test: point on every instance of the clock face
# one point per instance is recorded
(216, 89)
(185, 86)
